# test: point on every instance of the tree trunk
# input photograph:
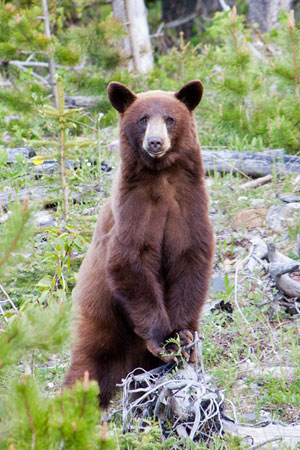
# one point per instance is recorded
(265, 12)
(136, 45)
(51, 61)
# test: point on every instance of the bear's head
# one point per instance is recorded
(156, 123)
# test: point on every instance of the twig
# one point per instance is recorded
(258, 182)
(41, 79)
(180, 21)
(296, 306)
(28, 63)
(182, 399)
(254, 447)
(9, 299)
(3, 313)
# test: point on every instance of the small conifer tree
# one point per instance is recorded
(30, 419)
(283, 105)
(234, 78)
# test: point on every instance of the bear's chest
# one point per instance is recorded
(165, 195)
(172, 211)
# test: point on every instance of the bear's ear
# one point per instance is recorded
(120, 96)
(190, 94)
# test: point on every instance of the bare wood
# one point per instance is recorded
(51, 61)
(275, 371)
(277, 269)
(283, 281)
(119, 12)
(28, 63)
(136, 44)
(41, 79)
(258, 252)
(289, 435)
(172, 400)
(258, 182)
(139, 35)
(9, 300)
(253, 164)
(82, 101)
(278, 265)
(180, 21)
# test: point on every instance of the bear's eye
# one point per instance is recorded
(170, 120)
(143, 120)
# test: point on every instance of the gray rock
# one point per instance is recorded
(279, 218)
(34, 193)
(217, 285)
(50, 167)
(42, 219)
(289, 198)
(13, 153)
(258, 201)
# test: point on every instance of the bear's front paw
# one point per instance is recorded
(160, 352)
(187, 337)
(179, 347)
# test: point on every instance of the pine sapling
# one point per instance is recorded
(60, 117)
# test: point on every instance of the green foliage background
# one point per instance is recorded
(251, 101)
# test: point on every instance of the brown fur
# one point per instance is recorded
(146, 274)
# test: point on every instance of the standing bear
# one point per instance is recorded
(146, 274)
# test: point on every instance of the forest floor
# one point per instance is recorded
(250, 340)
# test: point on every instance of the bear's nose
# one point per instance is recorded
(154, 143)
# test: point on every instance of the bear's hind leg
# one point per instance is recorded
(107, 374)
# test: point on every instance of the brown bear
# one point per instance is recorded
(146, 274)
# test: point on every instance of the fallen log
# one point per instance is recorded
(279, 266)
(48, 194)
(252, 164)
(259, 437)
(81, 101)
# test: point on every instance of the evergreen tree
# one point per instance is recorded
(29, 419)
(284, 95)
(234, 78)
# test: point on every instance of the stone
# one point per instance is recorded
(42, 219)
(251, 218)
(289, 198)
(280, 218)
(217, 285)
(14, 153)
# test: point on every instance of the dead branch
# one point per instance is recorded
(258, 252)
(258, 182)
(181, 398)
(9, 300)
(277, 265)
(258, 436)
(253, 164)
(280, 267)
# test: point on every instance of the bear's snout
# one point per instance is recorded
(156, 139)
(154, 144)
